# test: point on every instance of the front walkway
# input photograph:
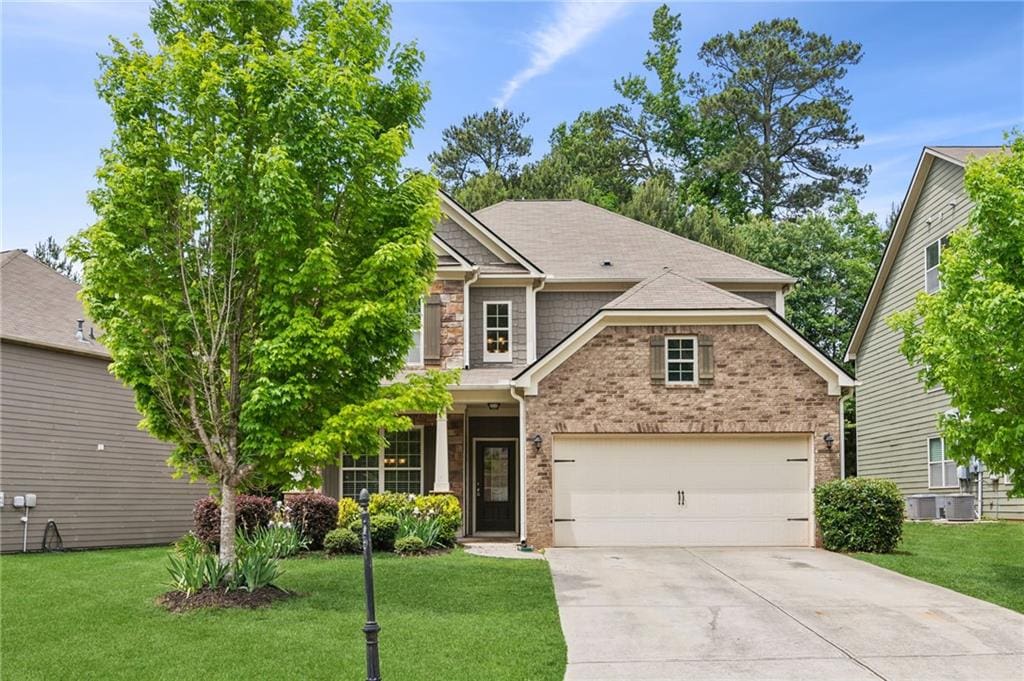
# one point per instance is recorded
(771, 614)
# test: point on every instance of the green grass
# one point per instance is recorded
(455, 616)
(984, 560)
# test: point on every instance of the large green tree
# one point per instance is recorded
(780, 89)
(968, 337)
(489, 143)
(258, 258)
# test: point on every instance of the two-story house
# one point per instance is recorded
(897, 418)
(620, 385)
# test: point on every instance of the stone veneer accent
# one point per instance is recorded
(605, 387)
(452, 310)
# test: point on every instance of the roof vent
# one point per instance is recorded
(606, 263)
(80, 332)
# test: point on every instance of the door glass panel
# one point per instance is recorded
(495, 474)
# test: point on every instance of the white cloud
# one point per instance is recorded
(572, 25)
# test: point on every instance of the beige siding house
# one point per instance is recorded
(897, 435)
(620, 385)
(69, 430)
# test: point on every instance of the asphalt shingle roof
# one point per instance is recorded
(963, 154)
(673, 291)
(41, 307)
(573, 240)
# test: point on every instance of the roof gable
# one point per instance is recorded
(673, 291)
(574, 240)
(958, 156)
(477, 242)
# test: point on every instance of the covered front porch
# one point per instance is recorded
(481, 437)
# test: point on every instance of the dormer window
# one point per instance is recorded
(497, 331)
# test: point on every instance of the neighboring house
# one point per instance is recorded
(69, 430)
(621, 385)
(897, 419)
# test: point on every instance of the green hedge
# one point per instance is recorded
(859, 514)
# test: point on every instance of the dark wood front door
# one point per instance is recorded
(495, 485)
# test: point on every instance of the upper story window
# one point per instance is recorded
(932, 256)
(681, 360)
(497, 331)
(941, 471)
(415, 356)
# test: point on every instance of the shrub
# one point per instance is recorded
(251, 513)
(411, 545)
(253, 570)
(342, 540)
(383, 530)
(190, 545)
(445, 508)
(313, 515)
(348, 510)
(859, 514)
(276, 541)
(190, 573)
(427, 528)
(391, 503)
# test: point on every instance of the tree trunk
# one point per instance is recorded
(227, 523)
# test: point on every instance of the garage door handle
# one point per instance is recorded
(681, 498)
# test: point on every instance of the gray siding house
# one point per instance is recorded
(897, 419)
(69, 430)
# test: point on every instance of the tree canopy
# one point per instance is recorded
(968, 337)
(258, 258)
(482, 144)
(54, 256)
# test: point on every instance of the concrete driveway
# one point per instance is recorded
(771, 614)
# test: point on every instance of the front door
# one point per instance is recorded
(495, 485)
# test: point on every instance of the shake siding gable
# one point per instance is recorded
(465, 243)
(56, 409)
(895, 414)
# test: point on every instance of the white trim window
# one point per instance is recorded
(932, 257)
(415, 356)
(497, 331)
(399, 466)
(941, 471)
(681, 360)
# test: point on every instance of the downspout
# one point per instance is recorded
(465, 315)
(842, 436)
(531, 320)
(522, 462)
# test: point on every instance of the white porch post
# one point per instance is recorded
(441, 455)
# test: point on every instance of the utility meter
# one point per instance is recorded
(19, 502)
(30, 500)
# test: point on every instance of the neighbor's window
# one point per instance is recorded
(399, 466)
(681, 360)
(932, 256)
(941, 471)
(415, 356)
(497, 332)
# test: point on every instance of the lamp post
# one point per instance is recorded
(371, 627)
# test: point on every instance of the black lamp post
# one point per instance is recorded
(371, 627)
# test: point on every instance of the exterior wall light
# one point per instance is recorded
(537, 441)
(828, 440)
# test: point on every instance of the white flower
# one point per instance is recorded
(412, 497)
(415, 511)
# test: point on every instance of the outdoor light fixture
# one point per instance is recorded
(537, 440)
(828, 440)
(492, 405)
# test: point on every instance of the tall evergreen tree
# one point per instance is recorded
(53, 255)
(491, 142)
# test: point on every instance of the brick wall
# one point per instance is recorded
(453, 306)
(759, 387)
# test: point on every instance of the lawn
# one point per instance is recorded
(984, 560)
(455, 616)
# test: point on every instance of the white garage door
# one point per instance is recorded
(725, 490)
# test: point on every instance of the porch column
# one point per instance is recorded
(441, 455)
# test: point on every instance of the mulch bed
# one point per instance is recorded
(177, 601)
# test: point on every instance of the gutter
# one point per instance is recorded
(465, 315)
(522, 462)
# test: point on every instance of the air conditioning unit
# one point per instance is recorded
(957, 507)
(922, 507)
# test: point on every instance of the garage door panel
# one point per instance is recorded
(739, 490)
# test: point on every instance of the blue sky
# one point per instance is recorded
(932, 73)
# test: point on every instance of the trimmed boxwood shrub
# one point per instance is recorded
(313, 515)
(251, 513)
(342, 540)
(859, 514)
(411, 545)
(383, 530)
